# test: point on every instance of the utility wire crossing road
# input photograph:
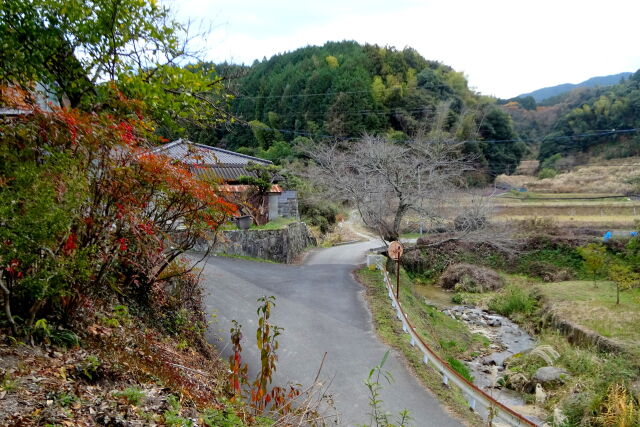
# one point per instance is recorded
(322, 309)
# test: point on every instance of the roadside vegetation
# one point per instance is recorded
(559, 287)
(449, 337)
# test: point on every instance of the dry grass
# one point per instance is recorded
(569, 210)
(605, 177)
(596, 308)
(527, 167)
(613, 222)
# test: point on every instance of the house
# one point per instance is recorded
(226, 167)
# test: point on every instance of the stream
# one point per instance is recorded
(506, 339)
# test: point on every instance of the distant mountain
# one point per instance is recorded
(548, 92)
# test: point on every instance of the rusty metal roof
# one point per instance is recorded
(275, 188)
(190, 153)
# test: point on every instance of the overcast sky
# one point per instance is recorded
(504, 47)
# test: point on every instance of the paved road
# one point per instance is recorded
(321, 308)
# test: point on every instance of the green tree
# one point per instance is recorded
(75, 47)
(594, 257)
(623, 277)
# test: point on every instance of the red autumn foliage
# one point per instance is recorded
(71, 244)
(136, 214)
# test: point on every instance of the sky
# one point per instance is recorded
(505, 48)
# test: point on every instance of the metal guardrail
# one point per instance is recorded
(479, 401)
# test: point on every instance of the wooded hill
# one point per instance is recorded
(343, 89)
(584, 122)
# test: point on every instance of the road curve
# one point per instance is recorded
(322, 309)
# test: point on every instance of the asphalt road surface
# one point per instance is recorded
(322, 309)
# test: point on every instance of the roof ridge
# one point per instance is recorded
(209, 147)
(164, 147)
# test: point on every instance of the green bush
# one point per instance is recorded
(512, 300)
(547, 173)
(322, 215)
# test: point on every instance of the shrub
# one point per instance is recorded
(322, 214)
(98, 215)
(547, 173)
(514, 299)
(470, 278)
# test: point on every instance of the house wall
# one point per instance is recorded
(284, 245)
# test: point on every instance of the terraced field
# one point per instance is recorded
(570, 209)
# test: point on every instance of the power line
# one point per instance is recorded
(360, 112)
(546, 138)
(348, 92)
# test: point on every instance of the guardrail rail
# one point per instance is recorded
(479, 401)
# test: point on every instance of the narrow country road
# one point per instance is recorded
(322, 309)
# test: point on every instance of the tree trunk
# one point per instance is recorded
(7, 305)
(397, 221)
(617, 293)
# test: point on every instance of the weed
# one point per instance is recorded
(457, 298)
(133, 395)
(619, 408)
(172, 415)
(121, 313)
(41, 330)
(89, 368)
(8, 384)
(221, 418)
(65, 399)
(460, 368)
(380, 417)
(513, 300)
(182, 345)
(64, 338)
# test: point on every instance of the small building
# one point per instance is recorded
(226, 167)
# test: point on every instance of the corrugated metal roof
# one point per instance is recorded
(191, 153)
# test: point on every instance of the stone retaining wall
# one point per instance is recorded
(283, 245)
(579, 335)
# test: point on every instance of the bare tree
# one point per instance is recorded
(385, 181)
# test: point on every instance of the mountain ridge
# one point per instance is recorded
(548, 92)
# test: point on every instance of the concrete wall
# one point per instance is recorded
(273, 206)
(283, 245)
(288, 204)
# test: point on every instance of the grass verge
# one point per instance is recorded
(595, 308)
(450, 338)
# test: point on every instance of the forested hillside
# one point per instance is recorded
(343, 90)
(583, 123)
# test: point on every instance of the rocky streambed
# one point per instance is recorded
(506, 339)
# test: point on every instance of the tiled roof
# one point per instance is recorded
(225, 173)
(191, 153)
